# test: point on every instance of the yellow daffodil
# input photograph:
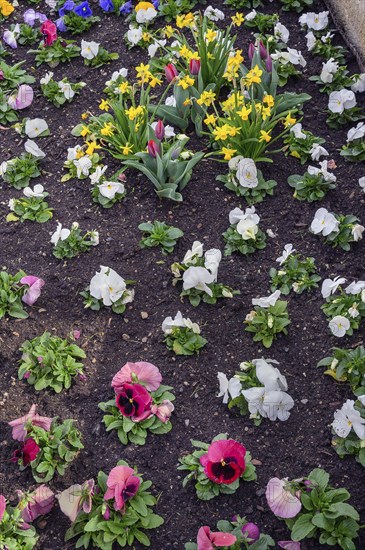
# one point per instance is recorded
(185, 82)
(85, 130)
(265, 136)
(91, 146)
(206, 98)
(185, 52)
(155, 81)
(107, 129)
(126, 149)
(245, 112)
(265, 112)
(210, 35)
(228, 153)
(143, 73)
(186, 20)
(211, 119)
(104, 105)
(269, 100)
(237, 19)
(123, 87)
(289, 120)
(169, 31)
(84, 116)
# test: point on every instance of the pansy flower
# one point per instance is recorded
(224, 461)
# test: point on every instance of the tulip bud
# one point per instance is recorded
(251, 51)
(153, 149)
(268, 64)
(160, 130)
(176, 153)
(171, 72)
(263, 51)
(252, 532)
(194, 66)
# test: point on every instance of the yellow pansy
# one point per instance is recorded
(144, 6)
(6, 8)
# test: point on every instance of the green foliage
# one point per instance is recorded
(310, 187)
(7, 114)
(77, 24)
(336, 120)
(102, 57)
(75, 244)
(34, 209)
(340, 80)
(14, 76)
(53, 93)
(205, 488)
(27, 35)
(340, 304)
(168, 171)
(58, 449)
(324, 47)
(266, 323)
(12, 532)
(354, 151)
(129, 431)
(239, 4)
(11, 293)
(286, 71)
(346, 365)
(343, 237)
(296, 5)
(171, 8)
(60, 51)
(235, 242)
(118, 307)
(122, 529)
(301, 147)
(184, 341)
(159, 234)
(51, 362)
(251, 195)
(295, 274)
(20, 170)
(263, 22)
(325, 516)
(105, 202)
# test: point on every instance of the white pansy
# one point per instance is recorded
(4, 166)
(362, 183)
(11, 204)
(297, 131)
(348, 418)
(353, 311)
(233, 163)
(237, 215)
(145, 15)
(357, 132)
(267, 301)
(359, 84)
(83, 166)
(270, 376)
(355, 287)
(179, 321)
(116, 74)
(213, 14)
(134, 35)
(247, 229)
(290, 56)
(327, 176)
(35, 127)
(247, 173)
(60, 234)
(170, 101)
(341, 100)
(357, 232)
(281, 32)
(339, 325)
(169, 130)
(89, 50)
(311, 40)
(317, 152)
(195, 252)
(109, 189)
(277, 404)
(329, 69)
(199, 278)
(329, 286)
(99, 172)
(255, 400)
(47, 77)
(107, 285)
(152, 48)
(37, 191)
(212, 259)
(288, 250)
(72, 152)
(94, 237)
(324, 222)
(251, 15)
(228, 388)
(66, 89)
(315, 21)
(31, 147)
(361, 398)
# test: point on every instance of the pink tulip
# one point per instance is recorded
(171, 72)
(32, 294)
(163, 411)
(38, 503)
(207, 540)
(2, 507)
(142, 372)
(19, 432)
(160, 130)
(194, 66)
(23, 99)
(153, 148)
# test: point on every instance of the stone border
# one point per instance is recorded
(350, 21)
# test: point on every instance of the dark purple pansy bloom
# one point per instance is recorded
(126, 8)
(83, 10)
(67, 6)
(106, 5)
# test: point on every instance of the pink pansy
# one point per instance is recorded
(122, 486)
(22, 99)
(76, 334)
(32, 294)
(289, 545)
(163, 410)
(281, 499)
(19, 425)
(207, 540)
(2, 507)
(143, 372)
(77, 498)
(36, 504)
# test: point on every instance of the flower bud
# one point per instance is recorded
(176, 153)
(160, 130)
(268, 64)
(171, 72)
(251, 531)
(251, 51)
(106, 514)
(153, 149)
(194, 66)
(263, 51)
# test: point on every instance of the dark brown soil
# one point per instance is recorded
(289, 449)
